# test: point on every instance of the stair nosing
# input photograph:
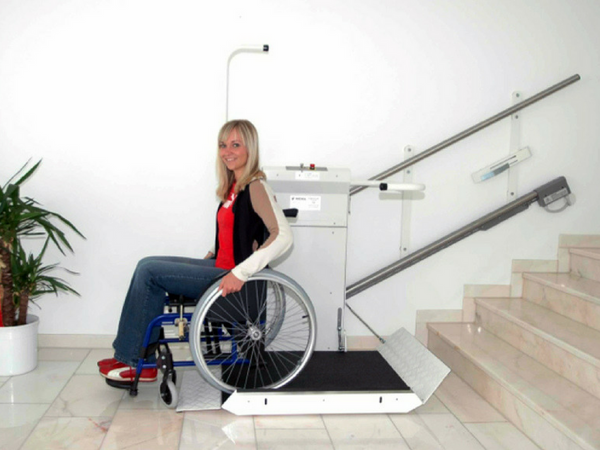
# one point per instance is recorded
(531, 276)
(521, 396)
(587, 252)
(541, 333)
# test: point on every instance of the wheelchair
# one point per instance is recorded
(258, 338)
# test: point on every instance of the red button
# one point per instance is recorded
(312, 167)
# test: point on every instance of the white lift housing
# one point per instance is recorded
(317, 260)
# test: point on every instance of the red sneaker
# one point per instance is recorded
(127, 374)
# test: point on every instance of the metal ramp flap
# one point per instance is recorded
(418, 367)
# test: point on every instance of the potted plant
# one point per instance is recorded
(24, 277)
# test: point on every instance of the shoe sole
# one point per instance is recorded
(141, 380)
(118, 384)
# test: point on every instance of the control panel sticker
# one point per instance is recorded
(306, 202)
(304, 175)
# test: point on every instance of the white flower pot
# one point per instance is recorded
(18, 347)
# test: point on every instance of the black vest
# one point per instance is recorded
(248, 227)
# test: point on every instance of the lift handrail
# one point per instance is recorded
(469, 131)
(544, 195)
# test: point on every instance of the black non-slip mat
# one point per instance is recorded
(350, 371)
(343, 372)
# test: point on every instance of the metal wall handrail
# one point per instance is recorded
(557, 188)
(469, 131)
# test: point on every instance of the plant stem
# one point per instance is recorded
(8, 304)
(23, 304)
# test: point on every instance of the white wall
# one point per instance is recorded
(123, 100)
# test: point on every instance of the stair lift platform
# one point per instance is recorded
(397, 378)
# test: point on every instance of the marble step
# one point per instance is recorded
(553, 412)
(585, 262)
(568, 347)
(567, 294)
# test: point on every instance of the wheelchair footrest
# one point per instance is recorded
(119, 384)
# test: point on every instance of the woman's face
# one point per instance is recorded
(233, 153)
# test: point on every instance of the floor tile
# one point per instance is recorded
(450, 433)
(268, 439)
(65, 404)
(289, 422)
(415, 432)
(364, 431)
(86, 396)
(217, 429)
(17, 422)
(39, 386)
(465, 403)
(432, 406)
(82, 433)
(62, 354)
(148, 397)
(144, 429)
(89, 366)
(500, 436)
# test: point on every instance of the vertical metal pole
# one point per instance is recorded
(237, 51)
(409, 151)
(515, 144)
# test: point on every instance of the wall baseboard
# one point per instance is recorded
(75, 340)
(105, 341)
(358, 343)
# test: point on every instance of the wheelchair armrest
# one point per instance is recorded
(291, 212)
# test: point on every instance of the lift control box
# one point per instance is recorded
(318, 259)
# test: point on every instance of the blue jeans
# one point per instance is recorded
(145, 299)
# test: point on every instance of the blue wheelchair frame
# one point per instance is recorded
(166, 364)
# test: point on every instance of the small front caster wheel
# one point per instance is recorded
(168, 393)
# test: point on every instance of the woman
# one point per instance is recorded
(247, 208)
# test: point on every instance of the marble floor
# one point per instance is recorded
(65, 404)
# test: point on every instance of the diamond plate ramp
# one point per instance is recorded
(196, 394)
(420, 369)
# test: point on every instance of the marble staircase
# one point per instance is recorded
(536, 357)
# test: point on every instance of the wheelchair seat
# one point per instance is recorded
(181, 300)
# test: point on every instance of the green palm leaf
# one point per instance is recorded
(25, 276)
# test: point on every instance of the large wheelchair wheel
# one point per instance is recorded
(258, 338)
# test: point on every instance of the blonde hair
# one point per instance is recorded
(249, 136)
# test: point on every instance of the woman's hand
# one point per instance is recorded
(230, 283)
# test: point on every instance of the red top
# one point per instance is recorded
(225, 218)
